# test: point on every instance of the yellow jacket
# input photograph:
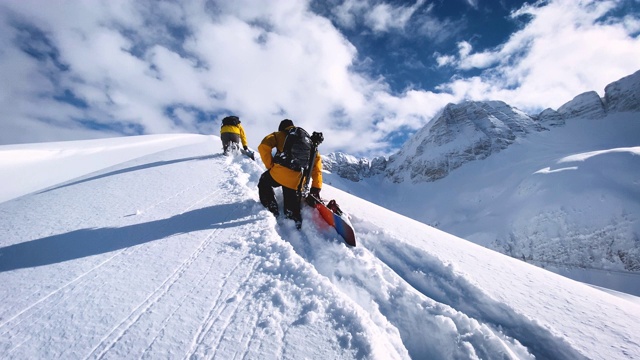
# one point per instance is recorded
(285, 176)
(236, 129)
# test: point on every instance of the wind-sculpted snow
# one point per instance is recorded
(554, 231)
(172, 256)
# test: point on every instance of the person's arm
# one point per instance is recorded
(316, 173)
(265, 148)
(243, 137)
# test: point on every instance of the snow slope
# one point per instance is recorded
(567, 199)
(170, 255)
(559, 189)
(35, 166)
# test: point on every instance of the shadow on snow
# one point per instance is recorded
(87, 242)
(133, 168)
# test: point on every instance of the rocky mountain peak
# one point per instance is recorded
(588, 105)
(473, 130)
(624, 94)
(462, 132)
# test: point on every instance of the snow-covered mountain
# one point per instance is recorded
(559, 189)
(170, 255)
(459, 134)
(473, 130)
(623, 95)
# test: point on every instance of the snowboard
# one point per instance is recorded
(335, 217)
(248, 153)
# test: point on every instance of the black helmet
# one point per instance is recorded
(285, 124)
(231, 120)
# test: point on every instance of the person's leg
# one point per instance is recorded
(227, 139)
(225, 146)
(292, 206)
(266, 193)
(224, 137)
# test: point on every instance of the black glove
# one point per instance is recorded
(314, 197)
(315, 192)
(245, 148)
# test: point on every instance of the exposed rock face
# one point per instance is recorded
(461, 133)
(474, 130)
(624, 94)
(587, 105)
(351, 168)
(550, 118)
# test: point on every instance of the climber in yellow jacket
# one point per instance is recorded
(279, 174)
(232, 132)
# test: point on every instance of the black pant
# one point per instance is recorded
(228, 138)
(268, 198)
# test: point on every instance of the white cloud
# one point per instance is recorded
(384, 16)
(261, 62)
(130, 61)
(28, 112)
(563, 51)
(445, 60)
(377, 16)
(631, 24)
(348, 12)
(469, 60)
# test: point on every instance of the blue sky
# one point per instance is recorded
(367, 73)
(404, 47)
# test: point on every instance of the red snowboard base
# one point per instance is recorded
(337, 219)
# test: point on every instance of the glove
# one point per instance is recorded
(315, 192)
(245, 148)
(314, 197)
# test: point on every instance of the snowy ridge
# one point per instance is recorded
(624, 94)
(174, 257)
(587, 105)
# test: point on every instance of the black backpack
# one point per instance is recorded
(231, 120)
(296, 152)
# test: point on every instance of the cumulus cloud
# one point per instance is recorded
(469, 60)
(75, 70)
(162, 66)
(445, 60)
(565, 49)
(384, 16)
(377, 16)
